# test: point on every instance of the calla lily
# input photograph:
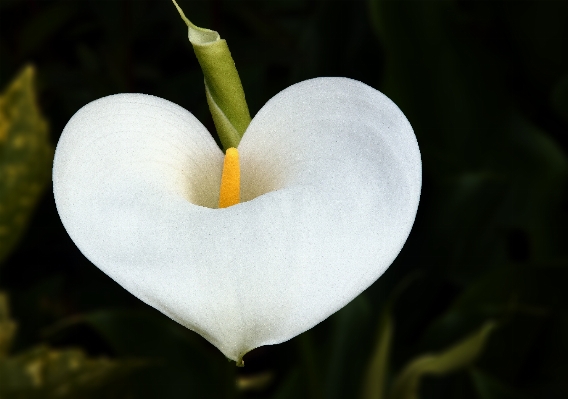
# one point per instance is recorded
(330, 178)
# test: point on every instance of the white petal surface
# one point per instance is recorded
(331, 178)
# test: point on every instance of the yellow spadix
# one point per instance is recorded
(229, 193)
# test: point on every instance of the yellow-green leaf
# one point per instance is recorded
(488, 387)
(7, 326)
(223, 87)
(25, 158)
(45, 373)
(375, 377)
(374, 384)
(458, 356)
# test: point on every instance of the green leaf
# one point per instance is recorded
(290, 387)
(181, 355)
(45, 373)
(375, 378)
(460, 355)
(223, 88)
(25, 158)
(488, 387)
(347, 355)
(7, 326)
(310, 363)
(482, 193)
(374, 384)
(528, 302)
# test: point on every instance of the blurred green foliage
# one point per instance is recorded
(461, 355)
(485, 86)
(25, 158)
(41, 372)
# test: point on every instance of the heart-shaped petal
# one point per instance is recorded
(330, 184)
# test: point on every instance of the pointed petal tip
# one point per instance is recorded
(196, 35)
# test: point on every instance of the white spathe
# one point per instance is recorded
(330, 185)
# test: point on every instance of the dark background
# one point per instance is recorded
(485, 87)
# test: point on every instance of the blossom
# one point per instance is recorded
(330, 178)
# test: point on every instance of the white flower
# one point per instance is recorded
(330, 184)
